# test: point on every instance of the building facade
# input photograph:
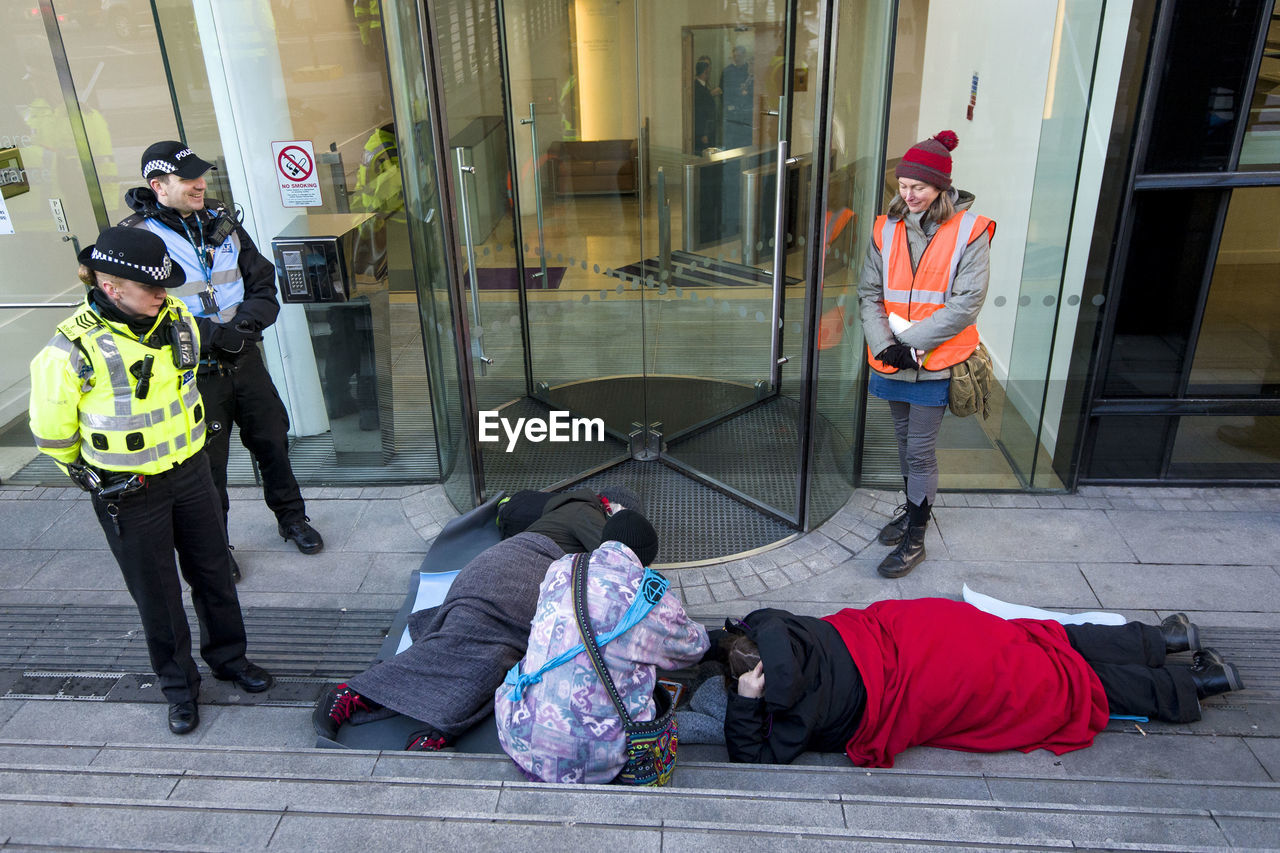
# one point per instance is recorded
(537, 218)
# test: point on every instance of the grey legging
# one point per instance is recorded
(916, 428)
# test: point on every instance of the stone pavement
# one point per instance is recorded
(108, 774)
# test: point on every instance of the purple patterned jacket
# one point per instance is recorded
(565, 728)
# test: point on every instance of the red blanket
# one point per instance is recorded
(943, 673)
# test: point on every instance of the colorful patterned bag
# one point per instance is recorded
(650, 745)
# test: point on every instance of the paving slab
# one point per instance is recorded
(1056, 586)
(734, 840)
(854, 781)
(137, 827)
(1032, 535)
(257, 725)
(853, 581)
(100, 723)
(586, 803)
(78, 570)
(47, 754)
(445, 766)
(252, 526)
(335, 764)
(1173, 587)
(1259, 832)
(290, 572)
(20, 565)
(1267, 752)
(26, 521)
(1121, 793)
(390, 572)
(313, 832)
(980, 823)
(76, 527)
(1129, 754)
(383, 527)
(361, 798)
(77, 784)
(1204, 538)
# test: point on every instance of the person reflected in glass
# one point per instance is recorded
(738, 89)
(704, 108)
(922, 285)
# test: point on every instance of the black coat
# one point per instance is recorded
(813, 694)
(260, 306)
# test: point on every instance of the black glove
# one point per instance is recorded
(228, 339)
(251, 329)
(898, 355)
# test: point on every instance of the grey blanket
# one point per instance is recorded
(462, 649)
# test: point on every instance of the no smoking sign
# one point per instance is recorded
(295, 164)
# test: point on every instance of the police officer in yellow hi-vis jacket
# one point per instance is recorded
(114, 402)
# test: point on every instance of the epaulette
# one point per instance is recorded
(80, 324)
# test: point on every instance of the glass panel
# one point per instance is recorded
(709, 301)
(413, 111)
(1128, 447)
(853, 194)
(1205, 81)
(41, 167)
(1162, 283)
(119, 73)
(1261, 149)
(1226, 448)
(1238, 350)
(1019, 422)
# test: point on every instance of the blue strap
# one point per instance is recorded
(652, 587)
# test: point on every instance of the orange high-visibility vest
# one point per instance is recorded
(917, 295)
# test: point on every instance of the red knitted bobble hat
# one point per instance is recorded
(930, 160)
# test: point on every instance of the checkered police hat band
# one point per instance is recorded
(158, 166)
(158, 274)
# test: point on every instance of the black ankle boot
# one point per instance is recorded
(910, 551)
(1180, 634)
(1213, 675)
(892, 533)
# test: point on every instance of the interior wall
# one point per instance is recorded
(1007, 44)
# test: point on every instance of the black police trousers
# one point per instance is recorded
(1130, 662)
(242, 392)
(177, 510)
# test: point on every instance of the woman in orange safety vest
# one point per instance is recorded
(922, 286)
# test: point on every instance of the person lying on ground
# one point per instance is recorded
(935, 672)
(462, 649)
(555, 716)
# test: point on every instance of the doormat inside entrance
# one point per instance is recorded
(508, 278)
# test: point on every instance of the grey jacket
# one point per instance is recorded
(968, 292)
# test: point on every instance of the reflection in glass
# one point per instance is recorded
(1261, 149)
(1238, 350)
(1226, 448)
(1205, 85)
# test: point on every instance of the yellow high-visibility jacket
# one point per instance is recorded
(84, 402)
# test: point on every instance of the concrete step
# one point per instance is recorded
(136, 795)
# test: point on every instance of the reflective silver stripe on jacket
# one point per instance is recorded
(886, 242)
(962, 243)
(56, 443)
(125, 461)
(116, 372)
(924, 297)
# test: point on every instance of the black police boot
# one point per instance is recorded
(306, 537)
(1213, 675)
(183, 717)
(910, 551)
(1180, 634)
(236, 575)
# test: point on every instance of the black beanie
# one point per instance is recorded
(633, 530)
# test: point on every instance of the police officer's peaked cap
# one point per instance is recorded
(134, 254)
(172, 158)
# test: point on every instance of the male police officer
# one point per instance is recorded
(114, 401)
(232, 293)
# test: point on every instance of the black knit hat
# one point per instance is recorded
(134, 254)
(633, 530)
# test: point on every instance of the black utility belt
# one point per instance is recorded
(112, 485)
